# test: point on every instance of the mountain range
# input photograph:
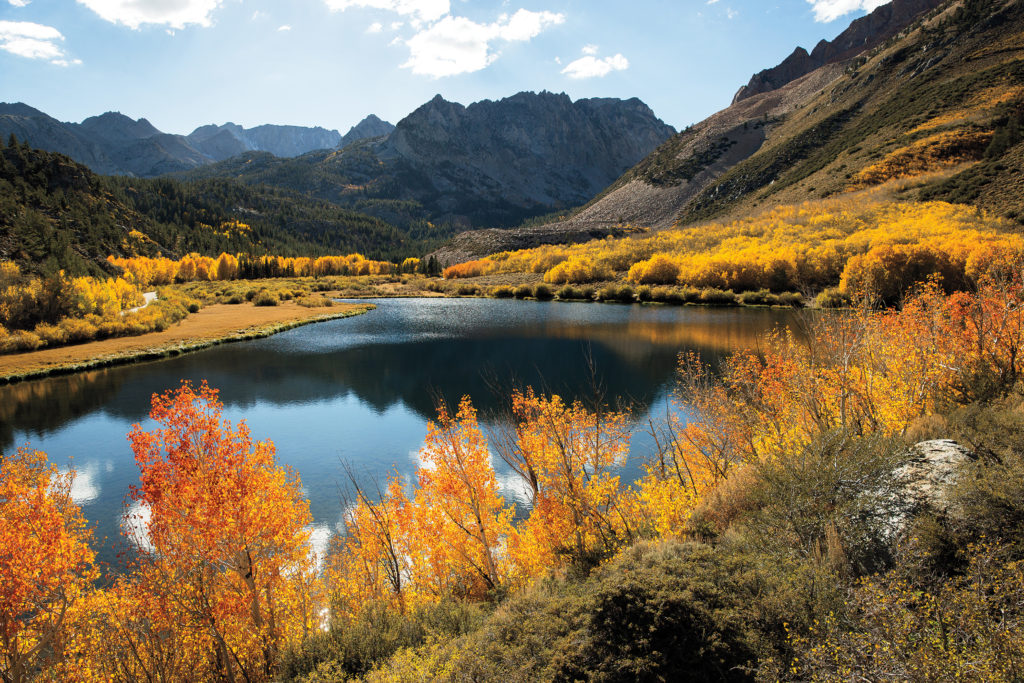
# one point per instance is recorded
(937, 94)
(492, 163)
(115, 144)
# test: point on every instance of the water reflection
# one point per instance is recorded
(361, 389)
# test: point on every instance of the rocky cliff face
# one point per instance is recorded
(367, 129)
(863, 34)
(528, 150)
(281, 141)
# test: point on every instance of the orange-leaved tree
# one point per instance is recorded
(458, 510)
(46, 564)
(227, 527)
(566, 455)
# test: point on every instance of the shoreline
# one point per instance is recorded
(211, 326)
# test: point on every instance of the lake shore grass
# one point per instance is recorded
(212, 325)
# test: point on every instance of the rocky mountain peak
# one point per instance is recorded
(113, 125)
(370, 127)
(862, 34)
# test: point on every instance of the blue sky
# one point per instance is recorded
(184, 63)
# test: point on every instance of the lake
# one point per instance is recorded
(361, 390)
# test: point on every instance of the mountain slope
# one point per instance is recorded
(488, 164)
(57, 214)
(926, 101)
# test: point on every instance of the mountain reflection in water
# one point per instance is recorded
(361, 389)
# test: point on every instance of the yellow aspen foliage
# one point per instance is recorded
(565, 454)
(46, 564)
(787, 248)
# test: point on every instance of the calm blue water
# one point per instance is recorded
(360, 390)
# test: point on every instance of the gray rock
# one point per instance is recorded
(931, 468)
(863, 34)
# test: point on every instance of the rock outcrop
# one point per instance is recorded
(863, 34)
(931, 468)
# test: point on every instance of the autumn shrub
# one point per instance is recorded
(717, 297)
(522, 291)
(469, 269)
(467, 290)
(577, 270)
(832, 297)
(501, 292)
(314, 302)
(265, 298)
(644, 294)
(546, 261)
(660, 269)
(20, 340)
(655, 611)
(354, 648)
(835, 497)
(51, 335)
(608, 293)
(78, 329)
(968, 627)
(888, 272)
(543, 292)
(587, 293)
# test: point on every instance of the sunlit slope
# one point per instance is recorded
(946, 95)
(852, 240)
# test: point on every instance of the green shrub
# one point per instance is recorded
(568, 292)
(543, 292)
(467, 290)
(761, 297)
(793, 299)
(644, 293)
(265, 298)
(832, 297)
(233, 299)
(717, 297)
(314, 302)
(522, 291)
(608, 293)
(501, 292)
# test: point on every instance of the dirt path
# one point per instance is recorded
(212, 325)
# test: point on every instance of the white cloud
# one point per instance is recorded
(259, 14)
(284, 27)
(591, 66)
(456, 45)
(732, 14)
(375, 27)
(172, 13)
(395, 25)
(19, 3)
(830, 10)
(423, 10)
(34, 41)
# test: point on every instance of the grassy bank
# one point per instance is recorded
(212, 325)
